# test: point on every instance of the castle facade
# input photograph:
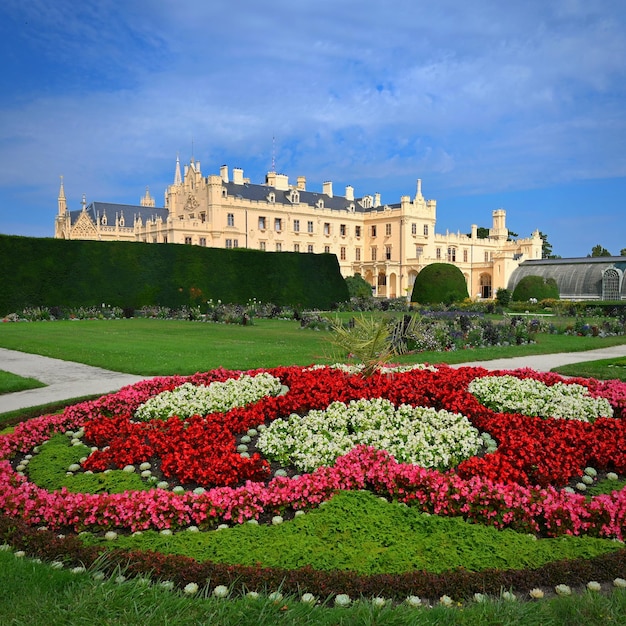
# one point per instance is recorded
(388, 244)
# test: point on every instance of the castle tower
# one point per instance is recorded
(62, 202)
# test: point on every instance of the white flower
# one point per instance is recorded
(98, 575)
(74, 467)
(277, 519)
(129, 469)
(110, 535)
(221, 591)
(193, 529)
(563, 590)
(167, 584)
(620, 583)
(593, 585)
(145, 466)
(120, 578)
(536, 593)
(413, 601)
(588, 480)
(56, 565)
(612, 476)
(508, 596)
(190, 589)
(590, 471)
(342, 599)
(480, 597)
(308, 598)
(446, 601)
(166, 532)
(275, 596)
(252, 595)
(19, 554)
(78, 570)
(379, 602)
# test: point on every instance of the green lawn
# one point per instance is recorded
(10, 383)
(605, 369)
(163, 347)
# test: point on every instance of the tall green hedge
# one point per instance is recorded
(439, 283)
(535, 287)
(56, 272)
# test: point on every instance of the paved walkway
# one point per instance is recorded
(66, 380)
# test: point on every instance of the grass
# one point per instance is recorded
(164, 347)
(604, 369)
(32, 593)
(10, 383)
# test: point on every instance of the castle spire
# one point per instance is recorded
(62, 202)
(178, 179)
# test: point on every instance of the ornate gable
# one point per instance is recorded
(84, 228)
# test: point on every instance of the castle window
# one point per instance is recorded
(387, 229)
(203, 242)
(310, 248)
(357, 231)
(451, 255)
(357, 254)
(230, 218)
(419, 250)
(235, 243)
(438, 253)
(342, 253)
(425, 230)
(320, 204)
(413, 228)
(229, 243)
(164, 238)
(279, 247)
(261, 223)
(203, 218)
(486, 256)
(188, 241)
(296, 247)
(294, 197)
(261, 245)
(309, 227)
(296, 226)
(326, 249)
(373, 230)
(342, 230)
(271, 197)
(326, 228)
(224, 193)
(278, 224)
(388, 253)
(373, 253)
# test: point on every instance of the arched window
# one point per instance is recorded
(611, 280)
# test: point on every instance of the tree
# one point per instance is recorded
(598, 250)
(622, 252)
(546, 248)
(358, 287)
(503, 296)
(439, 283)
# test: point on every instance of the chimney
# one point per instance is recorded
(349, 192)
(376, 200)
(224, 173)
(419, 188)
(237, 176)
(474, 231)
(301, 184)
(327, 188)
(270, 179)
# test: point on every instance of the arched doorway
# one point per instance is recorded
(485, 286)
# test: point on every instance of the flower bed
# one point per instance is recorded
(517, 485)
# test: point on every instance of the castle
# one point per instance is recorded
(388, 244)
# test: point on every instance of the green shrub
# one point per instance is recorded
(358, 287)
(439, 283)
(536, 287)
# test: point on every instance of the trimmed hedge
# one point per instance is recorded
(439, 283)
(57, 272)
(535, 287)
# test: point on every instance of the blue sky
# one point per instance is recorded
(518, 105)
